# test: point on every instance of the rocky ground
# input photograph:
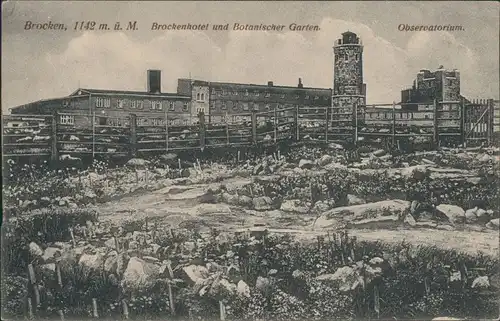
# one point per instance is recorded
(212, 198)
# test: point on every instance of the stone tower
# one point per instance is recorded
(348, 87)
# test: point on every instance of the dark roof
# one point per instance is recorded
(348, 33)
(255, 86)
(127, 92)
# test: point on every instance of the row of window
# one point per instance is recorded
(346, 57)
(201, 97)
(224, 92)
(225, 105)
(389, 116)
(138, 104)
(161, 122)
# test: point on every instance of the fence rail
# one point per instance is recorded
(54, 135)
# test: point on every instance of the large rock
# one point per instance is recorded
(409, 220)
(347, 278)
(470, 216)
(379, 152)
(230, 199)
(325, 160)
(50, 254)
(195, 273)
(243, 289)
(244, 200)
(493, 224)
(169, 159)
(481, 282)
(139, 273)
(293, 206)
(382, 222)
(92, 261)
(455, 214)
(354, 200)
(482, 215)
(35, 249)
(262, 203)
(306, 164)
(391, 209)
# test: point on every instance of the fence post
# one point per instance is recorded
(462, 121)
(54, 157)
(491, 115)
(297, 127)
(201, 116)
(166, 131)
(326, 125)
(355, 124)
(275, 125)
(254, 127)
(93, 135)
(133, 135)
(436, 125)
(393, 123)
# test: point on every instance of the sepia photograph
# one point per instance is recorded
(250, 160)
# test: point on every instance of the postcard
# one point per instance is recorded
(250, 160)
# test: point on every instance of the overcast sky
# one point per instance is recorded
(44, 64)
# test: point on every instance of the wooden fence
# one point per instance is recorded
(54, 136)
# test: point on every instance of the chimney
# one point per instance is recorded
(270, 83)
(300, 83)
(154, 81)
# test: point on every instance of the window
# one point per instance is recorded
(203, 96)
(67, 120)
(268, 95)
(268, 107)
(316, 97)
(137, 104)
(257, 94)
(198, 96)
(121, 103)
(156, 105)
(156, 121)
(256, 106)
(211, 105)
(426, 116)
(103, 121)
(235, 106)
(283, 96)
(235, 93)
(223, 106)
(245, 106)
(200, 110)
(185, 107)
(223, 92)
(296, 96)
(213, 91)
(171, 106)
(246, 92)
(103, 102)
(307, 97)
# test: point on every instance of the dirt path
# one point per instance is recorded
(180, 206)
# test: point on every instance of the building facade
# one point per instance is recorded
(114, 107)
(234, 102)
